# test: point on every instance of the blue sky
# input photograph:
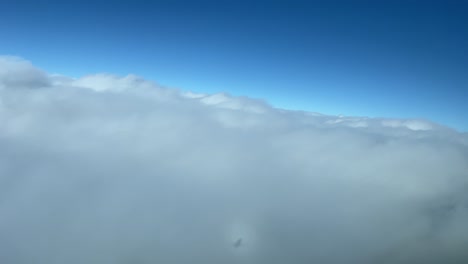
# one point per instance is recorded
(405, 59)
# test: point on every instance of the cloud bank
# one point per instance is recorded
(108, 169)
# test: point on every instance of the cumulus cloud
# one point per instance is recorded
(18, 73)
(109, 169)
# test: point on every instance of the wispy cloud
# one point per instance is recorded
(109, 169)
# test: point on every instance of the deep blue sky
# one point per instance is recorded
(369, 58)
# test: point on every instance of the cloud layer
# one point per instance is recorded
(108, 169)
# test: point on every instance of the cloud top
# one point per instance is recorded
(18, 73)
(110, 169)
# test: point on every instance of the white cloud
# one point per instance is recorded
(18, 73)
(109, 169)
(410, 124)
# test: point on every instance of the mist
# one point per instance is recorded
(118, 169)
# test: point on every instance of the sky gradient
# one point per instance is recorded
(404, 59)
